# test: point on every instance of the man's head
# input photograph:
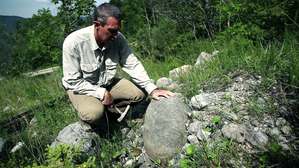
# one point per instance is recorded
(107, 22)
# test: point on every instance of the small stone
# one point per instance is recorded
(284, 146)
(234, 131)
(194, 127)
(6, 109)
(286, 130)
(124, 131)
(196, 114)
(231, 116)
(34, 134)
(275, 131)
(129, 163)
(269, 122)
(246, 117)
(202, 100)
(261, 101)
(163, 82)
(239, 79)
(192, 139)
(258, 138)
(255, 123)
(17, 147)
(173, 86)
(282, 139)
(204, 57)
(280, 122)
(33, 121)
(177, 72)
(131, 134)
(203, 135)
(216, 52)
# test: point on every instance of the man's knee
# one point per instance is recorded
(125, 89)
(92, 114)
(138, 95)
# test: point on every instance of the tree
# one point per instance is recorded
(38, 42)
(74, 13)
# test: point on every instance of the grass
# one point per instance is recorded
(276, 61)
(22, 93)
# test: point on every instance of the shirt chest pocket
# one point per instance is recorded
(90, 72)
(110, 65)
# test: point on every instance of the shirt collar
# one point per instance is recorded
(94, 45)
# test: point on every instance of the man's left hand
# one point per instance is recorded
(161, 93)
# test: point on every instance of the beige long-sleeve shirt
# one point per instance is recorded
(88, 68)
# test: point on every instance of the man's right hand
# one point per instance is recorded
(107, 100)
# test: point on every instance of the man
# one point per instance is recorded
(90, 59)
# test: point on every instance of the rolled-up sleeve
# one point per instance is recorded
(72, 74)
(131, 65)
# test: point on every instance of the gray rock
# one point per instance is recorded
(164, 127)
(2, 143)
(284, 146)
(192, 139)
(234, 131)
(286, 130)
(202, 100)
(163, 82)
(239, 79)
(215, 53)
(124, 131)
(33, 121)
(269, 122)
(275, 132)
(17, 147)
(257, 138)
(280, 122)
(80, 135)
(129, 163)
(174, 86)
(144, 161)
(194, 127)
(204, 57)
(202, 135)
(255, 123)
(196, 114)
(177, 72)
(131, 135)
(231, 116)
(6, 109)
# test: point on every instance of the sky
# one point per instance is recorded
(26, 8)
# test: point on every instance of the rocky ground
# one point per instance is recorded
(235, 125)
(250, 120)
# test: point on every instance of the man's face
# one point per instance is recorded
(107, 32)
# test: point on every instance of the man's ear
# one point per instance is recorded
(97, 24)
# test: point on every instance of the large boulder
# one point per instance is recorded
(80, 135)
(164, 127)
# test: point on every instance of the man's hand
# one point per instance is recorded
(107, 100)
(159, 92)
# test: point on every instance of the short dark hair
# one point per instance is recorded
(105, 10)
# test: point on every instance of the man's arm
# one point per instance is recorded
(72, 74)
(131, 65)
